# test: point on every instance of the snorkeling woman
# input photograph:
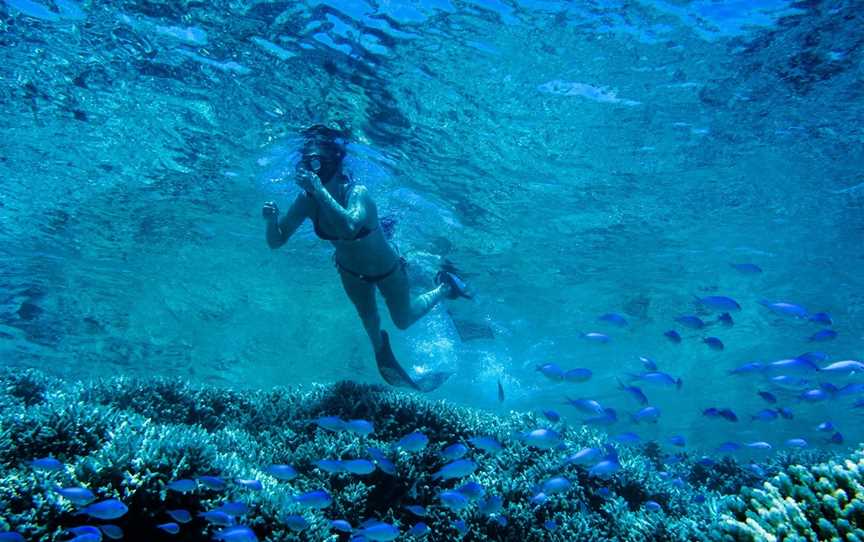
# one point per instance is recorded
(344, 213)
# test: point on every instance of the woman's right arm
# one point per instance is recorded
(280, 230)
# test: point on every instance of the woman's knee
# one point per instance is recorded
(401, 321)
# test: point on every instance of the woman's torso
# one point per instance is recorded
(369, 253)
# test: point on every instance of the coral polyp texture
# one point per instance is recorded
(165, 460)
(820, 502)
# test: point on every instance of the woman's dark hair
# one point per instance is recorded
(329, 140)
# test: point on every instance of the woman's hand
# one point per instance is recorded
(270, 211)
(308, 181)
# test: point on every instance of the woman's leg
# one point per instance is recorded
(362, 295)
(404, 309)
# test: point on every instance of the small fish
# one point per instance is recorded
(604, 492)
(627, 438)
(332, 466)
(585, 455)
(358, 466)
(487, 444)
(825, 427)
(107, 509)
(847, 367)
(360, 427)
(234, 508)
(699, 498)
(491, 505)
(836, 438)
(419, 529)
(765, 415)
(416, 509)
(823, 335)
(472, 490)
(296, 522)
(720, 303)
(460, 526)
(317, 499)
(454, 451)
(453, 500)
(544, 439)
(724, 413)
(759, 445)
(747, 268)
(785, 413)
(688, 320)
(747, 368)
(714, 343)
(78, 496)
(677, 440)
(11, 536)
(456, 469)
(728, 447)
(757, 470)
(341, 525)
(47, 464)
(821, 318)
(182, 486)
(281, 472)
(796, 443)
(212, 482)
(555, 485)
(608, 417)
(551, 371)
(501, 520)
(588, 406)
(785, 309)
(413, 442)
(794, 365)
(550, 525)
(614, 319)
(649, 414)
(726, 319)
(608, 466)
(673, 336)
(552, 416)
(500, 392)
(634, 392)
(653, 506)
(578, 375)
(86, 533)
(253, 485)
(648, 363)
(595, 337)
(170, 528)
(859, 403)
(331, 423)
(239, 533)
(217, 517)
(814, 395)
(179, 515)
(768, 396)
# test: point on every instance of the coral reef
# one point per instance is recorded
(819, 502)
(127, 439)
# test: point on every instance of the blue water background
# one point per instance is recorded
(571, 158)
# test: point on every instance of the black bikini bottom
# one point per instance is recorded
(400, 263)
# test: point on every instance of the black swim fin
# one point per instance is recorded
(458, 288)
(395, 375)
(390, 370)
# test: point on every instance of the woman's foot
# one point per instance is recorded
(456, 287)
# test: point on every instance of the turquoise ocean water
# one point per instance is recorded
(570, 158)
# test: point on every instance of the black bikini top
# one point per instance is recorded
(364, 231)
